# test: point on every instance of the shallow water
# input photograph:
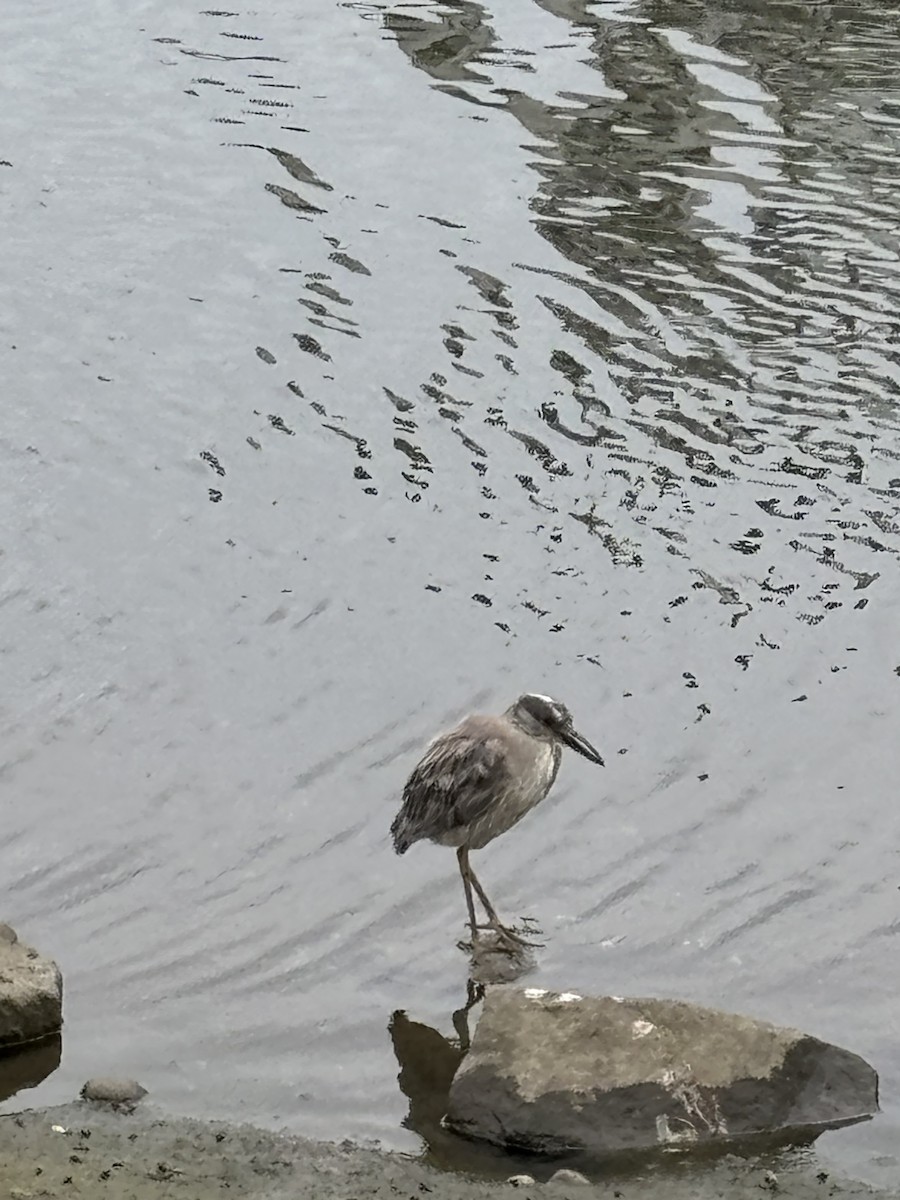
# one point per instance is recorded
(365, 364)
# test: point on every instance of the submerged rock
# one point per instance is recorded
(550, 1072)
(30, 993)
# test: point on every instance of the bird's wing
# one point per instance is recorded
(457, 781)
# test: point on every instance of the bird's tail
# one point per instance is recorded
(402, 840)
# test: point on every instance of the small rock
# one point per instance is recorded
(564, 1175)
(521, 1180)
(124, 1093)
(8, 934)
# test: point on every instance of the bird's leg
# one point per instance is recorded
(460, 1019)
(494, 921)
(488, 907)
(462, 856)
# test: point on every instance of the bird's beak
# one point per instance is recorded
(581, 745)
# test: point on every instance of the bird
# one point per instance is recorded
(476, 781)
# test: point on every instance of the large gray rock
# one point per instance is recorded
(550, 1072)
(30, 993)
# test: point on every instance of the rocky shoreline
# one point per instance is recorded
(89, 1150)
(111, 1143)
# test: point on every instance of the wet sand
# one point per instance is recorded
(149, 1156)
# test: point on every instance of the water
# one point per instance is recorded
(365, 364)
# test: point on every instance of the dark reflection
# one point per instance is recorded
(29, 1066)
(715, 317)
(446, 47)
(428, 1061)
(724, 323)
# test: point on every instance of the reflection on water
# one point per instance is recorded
(409, 357)
(494, 959)
(428, 1062)
(724, 351)
(29, 1066)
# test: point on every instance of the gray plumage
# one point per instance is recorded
(479, 779)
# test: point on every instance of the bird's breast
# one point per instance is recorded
(530, 781)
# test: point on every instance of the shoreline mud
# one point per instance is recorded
(87, 1150)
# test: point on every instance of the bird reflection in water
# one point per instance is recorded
(428, 1061)
(493, 959)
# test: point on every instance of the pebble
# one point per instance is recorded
(521, 1180)
(113, 1091)
(564, 1175)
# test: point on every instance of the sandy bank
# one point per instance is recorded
(80, 1150)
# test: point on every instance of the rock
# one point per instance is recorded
(521, 1180)
(550, 1072)
(30, 993)
(124, 1093)
(564, 1175)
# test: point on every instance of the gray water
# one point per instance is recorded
(364, 364)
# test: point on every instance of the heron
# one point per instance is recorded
(479, 779)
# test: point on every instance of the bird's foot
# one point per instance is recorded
(510, 936)
(530, 925)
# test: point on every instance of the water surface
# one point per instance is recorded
(368, 363)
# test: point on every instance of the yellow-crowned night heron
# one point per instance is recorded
(479, 779)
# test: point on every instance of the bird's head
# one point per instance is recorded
(544, 717)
